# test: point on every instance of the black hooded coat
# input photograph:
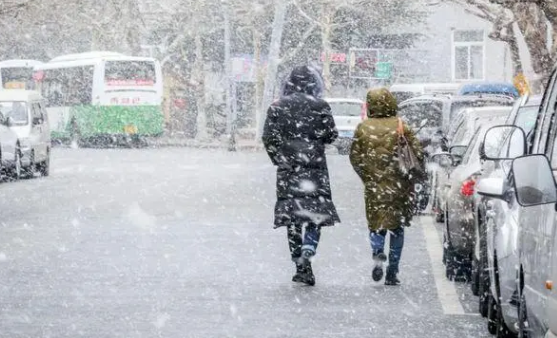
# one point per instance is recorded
(297, 128)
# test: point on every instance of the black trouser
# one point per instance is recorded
(303, 243)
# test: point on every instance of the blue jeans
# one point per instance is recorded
(305, 243)
(377, 239)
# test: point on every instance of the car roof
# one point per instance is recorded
(484, 111)
(423, 86)
(19, 95)
(339, 99)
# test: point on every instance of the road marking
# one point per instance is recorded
(446, 290)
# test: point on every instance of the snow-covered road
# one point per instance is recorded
(179, 242)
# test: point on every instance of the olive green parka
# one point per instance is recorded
(388, 191)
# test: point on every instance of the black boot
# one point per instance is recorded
(391, 279)
(298, 276)
(304, 274)
(377, 272)
(307, 276)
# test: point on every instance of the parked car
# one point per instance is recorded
(29, 122)
(534, 190)
(495, 258)
(461, 132)
(459, 235)
(532, 184)
(478, 88)
(10, 150)
(347, 113)
(403, 92)
(441, 110)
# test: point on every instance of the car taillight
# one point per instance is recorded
(467, 188)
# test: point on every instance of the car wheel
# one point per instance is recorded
(483, 286)
(439, 216)
(475, 285)
(502, 328)
(492, 314)
(523, 327)
(15, 172)
(30, 170)
(44, 167)
(343, 150)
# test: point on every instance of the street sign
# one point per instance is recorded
(383, 70)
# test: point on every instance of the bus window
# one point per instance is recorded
(17, 78)
(129, 73)
(68, 86)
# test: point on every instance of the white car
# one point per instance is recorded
(29, 122)
(348, 113)
(10, 151)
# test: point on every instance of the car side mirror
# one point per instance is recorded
(458, 151)
(37, 121)
(443, 160)
(534, 183)
(505, 142)
(492, 187)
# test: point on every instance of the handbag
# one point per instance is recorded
(407, 160)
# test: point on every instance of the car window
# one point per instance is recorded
(430, 112)
(526, 118)
(471, 147)
(459, 134)
(36, 111)
(16, 110)
(403, 96)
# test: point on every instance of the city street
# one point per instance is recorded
(179, 242)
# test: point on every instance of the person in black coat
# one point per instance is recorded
(298, 127)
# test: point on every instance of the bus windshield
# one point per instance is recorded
(17, 78)
(129, 73)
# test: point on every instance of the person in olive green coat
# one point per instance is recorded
(388, 191)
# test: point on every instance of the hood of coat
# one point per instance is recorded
(304, 79)
(381, 103)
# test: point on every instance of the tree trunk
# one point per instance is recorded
(258, 75)
(515, 50)
(533, 26)
(199, 83)
(326, 45)
(132, 35)
(281, 8)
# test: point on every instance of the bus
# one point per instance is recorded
(17, 74)
(102, 96)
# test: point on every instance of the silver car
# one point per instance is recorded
(496, 253)
(459, 233)
(10, 151)
(29, 122)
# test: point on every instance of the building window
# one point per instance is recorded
(468, 55)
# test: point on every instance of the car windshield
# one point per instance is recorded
(17, 110)
(526, 118)
(346, 108)
(423, 114)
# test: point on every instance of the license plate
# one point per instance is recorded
(346, 133)
(130, 129)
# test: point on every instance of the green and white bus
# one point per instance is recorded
(17, 74)
(102, 96)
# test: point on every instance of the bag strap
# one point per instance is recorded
(400, 127)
